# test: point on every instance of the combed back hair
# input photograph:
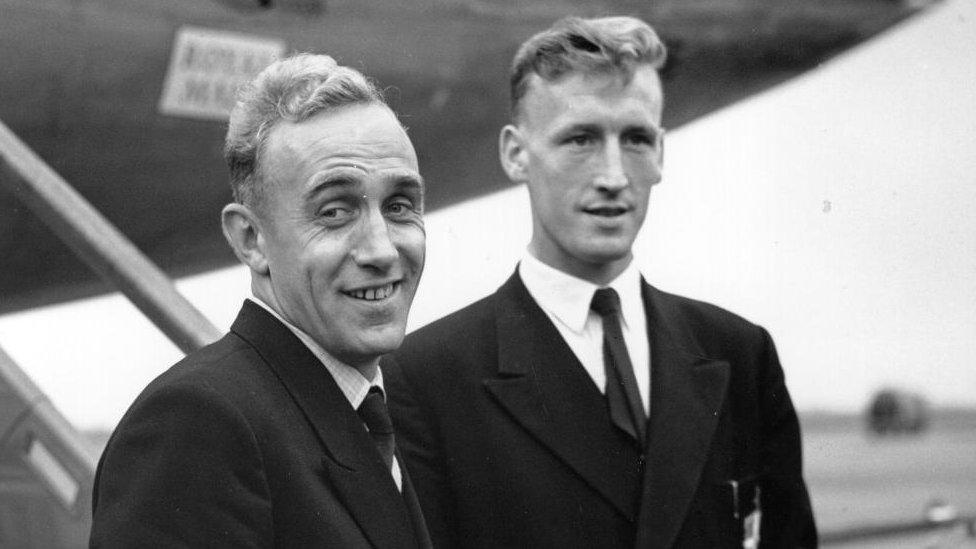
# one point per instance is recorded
(584, 45)
(293, 89)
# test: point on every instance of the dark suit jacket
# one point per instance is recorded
(510, 443)
(249, 443)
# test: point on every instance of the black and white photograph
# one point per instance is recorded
(488, 274)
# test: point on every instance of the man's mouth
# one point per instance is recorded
(374, 293)
(606, 211)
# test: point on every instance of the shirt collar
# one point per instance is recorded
(351, 381)
(568, 298)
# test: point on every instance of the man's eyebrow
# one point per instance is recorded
(653, 129)
(325, 182)
(410, 181)
(580, 127)
(589, 127)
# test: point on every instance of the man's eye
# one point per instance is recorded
(400, 207)
(580, 140)
(639, 139)
(643, 139)
(335, 212)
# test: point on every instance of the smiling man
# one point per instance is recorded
(578, 406)
(277, 435)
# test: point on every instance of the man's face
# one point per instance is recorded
(589, 147)
(343, 228)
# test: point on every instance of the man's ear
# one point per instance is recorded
(245, 236)
(512, 153)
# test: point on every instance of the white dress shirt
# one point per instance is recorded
(566, 301)
(351, 381)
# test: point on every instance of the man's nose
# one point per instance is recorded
(375, 247)
(611, 176)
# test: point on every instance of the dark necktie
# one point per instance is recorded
(377, 419)
(623, 396)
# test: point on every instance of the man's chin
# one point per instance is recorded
(375, 345)
(608, 253)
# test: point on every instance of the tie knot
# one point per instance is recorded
(605, 302)
(374, 414)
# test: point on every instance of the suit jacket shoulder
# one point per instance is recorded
(246, 443)
(185, 434)
(716, 329)
(469, 330)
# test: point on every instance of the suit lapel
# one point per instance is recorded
(353, 465)
(413, 506)
(543, 386)
(687, 395)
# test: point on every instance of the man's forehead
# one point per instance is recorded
(575, 88)
(346, 124)
(367, 131)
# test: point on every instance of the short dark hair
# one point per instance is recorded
(584, 45)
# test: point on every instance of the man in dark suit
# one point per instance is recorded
(255, 440)
(578, 406)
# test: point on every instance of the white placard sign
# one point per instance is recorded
(206, 68)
